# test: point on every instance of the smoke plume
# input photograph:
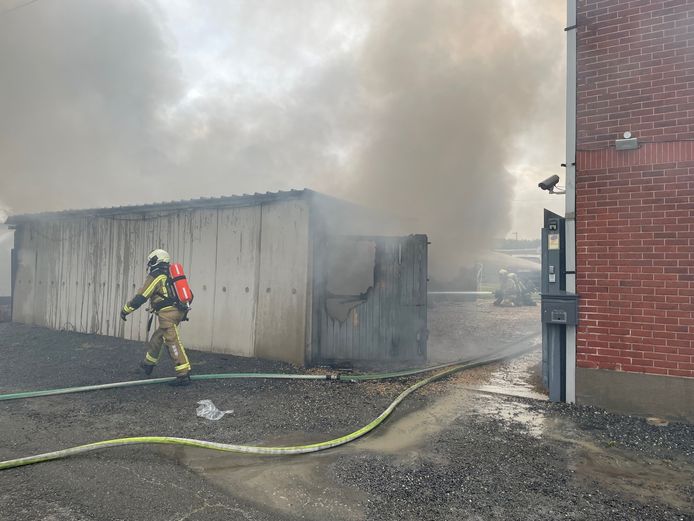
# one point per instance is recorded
(451, 86)
(409, 106)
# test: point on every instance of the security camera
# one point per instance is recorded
(549, 183)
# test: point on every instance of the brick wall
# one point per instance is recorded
(635, 209)
(635, 70)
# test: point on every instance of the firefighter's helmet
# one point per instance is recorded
(158, 257)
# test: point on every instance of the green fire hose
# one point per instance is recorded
(502, 353)
(224, 376)
(152, 381)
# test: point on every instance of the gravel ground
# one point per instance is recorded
(460, 329)
(446, 453)
(144, 483)
(512, 458)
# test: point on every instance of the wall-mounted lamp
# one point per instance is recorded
(628, 143)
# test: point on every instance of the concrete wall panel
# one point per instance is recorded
(23, 301)
(238, 256)
(201, 272)
(283, 282)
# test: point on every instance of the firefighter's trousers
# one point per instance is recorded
(167, 334)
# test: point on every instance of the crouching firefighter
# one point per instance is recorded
(169, 295)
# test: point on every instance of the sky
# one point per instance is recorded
(443, 112)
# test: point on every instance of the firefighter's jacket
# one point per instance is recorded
(156, 290)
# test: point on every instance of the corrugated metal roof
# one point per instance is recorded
(202, 202)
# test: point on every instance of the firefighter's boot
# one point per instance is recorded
(181, 381)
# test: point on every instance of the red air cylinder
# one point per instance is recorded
(180, 283)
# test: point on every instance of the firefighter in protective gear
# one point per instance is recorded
(512, 290)
(156, 289)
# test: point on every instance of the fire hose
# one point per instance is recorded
(448, 369)
(226, 447)
(224, 376)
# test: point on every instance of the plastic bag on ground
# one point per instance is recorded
(207, 409)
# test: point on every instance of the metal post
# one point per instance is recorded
(570, 197)
(545, 356)
(556, 359)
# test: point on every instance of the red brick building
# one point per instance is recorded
(635, 208)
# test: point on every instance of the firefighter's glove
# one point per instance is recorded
(123, 315)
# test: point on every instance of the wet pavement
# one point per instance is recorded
(519, 376)
(506, 458)
(482, 444)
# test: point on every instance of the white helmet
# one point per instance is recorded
(157, 257)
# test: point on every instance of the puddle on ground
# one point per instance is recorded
(511, 412)
(303, 485)
(406, 432)
(514, 377)
(297, 485)
(620, 470)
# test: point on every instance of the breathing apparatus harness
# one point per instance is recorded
(179, 294)
(173, 281)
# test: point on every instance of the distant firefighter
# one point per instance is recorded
(163, 287)
(512, 291)
(478, 275)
